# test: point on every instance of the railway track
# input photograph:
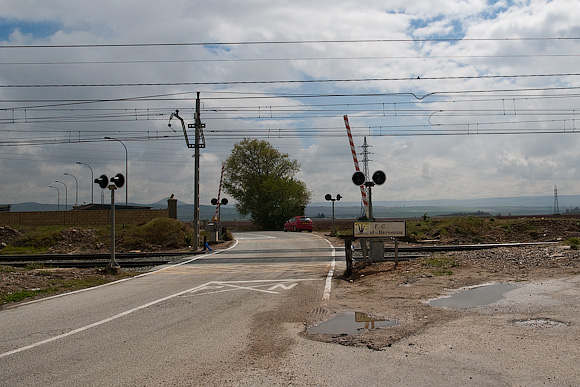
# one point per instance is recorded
(134, 260)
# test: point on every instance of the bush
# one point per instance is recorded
(574, 243)
(160, 232)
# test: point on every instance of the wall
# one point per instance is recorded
(80, 218)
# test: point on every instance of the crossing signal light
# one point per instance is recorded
(379, 177)
(102, 181)
(118, 180)
(358, 178)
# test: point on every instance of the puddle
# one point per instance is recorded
(470, 298)
(350, 323)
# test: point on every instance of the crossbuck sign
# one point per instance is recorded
(395, 228)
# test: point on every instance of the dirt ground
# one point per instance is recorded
(401, 293)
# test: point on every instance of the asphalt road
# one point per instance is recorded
(235, 319)
(208, 320)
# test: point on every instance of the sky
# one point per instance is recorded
(456, 99)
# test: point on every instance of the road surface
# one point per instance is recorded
(236, 318)
(207, 321)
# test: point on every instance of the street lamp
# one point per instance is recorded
(65, 194)
(329, 197)
(77, 188)
(57, 197)
(126, 168)
(92, 179)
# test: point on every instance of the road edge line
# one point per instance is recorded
(328, 282)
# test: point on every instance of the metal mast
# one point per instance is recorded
(556, 207)
(365, 160)
(199, 142)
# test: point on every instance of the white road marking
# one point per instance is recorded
(254, 288)
(328, 285)
(128, 279)
(96, 324)
(218, 287)
(251, 237)
(284, 287)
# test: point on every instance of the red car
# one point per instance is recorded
(298, 223)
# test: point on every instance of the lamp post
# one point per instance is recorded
(92, 179)
(77, 188)
(126, 168)
(329, 197)
(57, 197)
(65, 194)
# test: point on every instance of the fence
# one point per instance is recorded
(80, 218)
(89, 217)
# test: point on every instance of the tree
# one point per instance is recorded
(262, 181)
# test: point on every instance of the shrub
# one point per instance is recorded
(160, 232)
(574, 243)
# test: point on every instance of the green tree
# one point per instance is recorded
(262, 181)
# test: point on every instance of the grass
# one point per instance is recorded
(160, 232)
(43, 282)
(40, 238)
(441, 265)
(21, 295)
(574, 243)
(163, 232)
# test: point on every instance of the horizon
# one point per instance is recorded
(470, 100)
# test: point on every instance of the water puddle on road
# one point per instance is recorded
(473, 297)
(350, 323)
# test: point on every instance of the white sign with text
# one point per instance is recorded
(395, 228)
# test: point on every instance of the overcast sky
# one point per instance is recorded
(456, 98)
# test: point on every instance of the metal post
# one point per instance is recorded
(57, 197)
(196, 175)
(77, 187)
(92, 179)
(112, 263)
(333, 229)
(126, 168)
(369, 186)
(65, 194)
(396, 252)
(348, 256)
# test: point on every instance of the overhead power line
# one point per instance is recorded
(286, 59)
(301, 81)
(289, 42)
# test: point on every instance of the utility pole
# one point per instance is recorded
(196, 174)
(199, 143)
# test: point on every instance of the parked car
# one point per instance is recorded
(299, 223)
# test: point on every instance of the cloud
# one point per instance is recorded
(428, 113)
